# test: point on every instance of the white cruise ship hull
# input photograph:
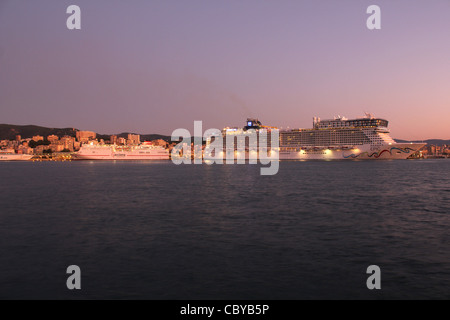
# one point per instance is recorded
(122, 157)
(364, 152)
(107, 152)
(15, 157)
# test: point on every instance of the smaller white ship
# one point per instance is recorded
(145, 151)
(10, 155)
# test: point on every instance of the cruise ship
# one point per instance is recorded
(6, 155)
(145, 151)
(338, 138)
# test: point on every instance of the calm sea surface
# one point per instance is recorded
(153, 230)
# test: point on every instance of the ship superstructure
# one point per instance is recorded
(342, 138)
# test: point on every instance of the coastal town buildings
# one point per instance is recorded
(37, 138)
(133, 139)
(85, 136)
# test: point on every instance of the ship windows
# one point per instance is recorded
(323, 138)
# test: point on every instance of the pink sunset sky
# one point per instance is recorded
(154, 66)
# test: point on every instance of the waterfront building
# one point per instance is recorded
(122, 141)
(52, 138)
(85, 136)
(133, 139)
(113, 139)
(160, 142)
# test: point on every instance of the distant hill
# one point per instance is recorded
(9, 131)
(437, 142)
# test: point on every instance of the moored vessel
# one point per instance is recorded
(7, 155)
(339, 138)
(145, 151)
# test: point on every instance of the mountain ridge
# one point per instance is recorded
(9, 132)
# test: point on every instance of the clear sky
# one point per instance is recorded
(153, 66)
